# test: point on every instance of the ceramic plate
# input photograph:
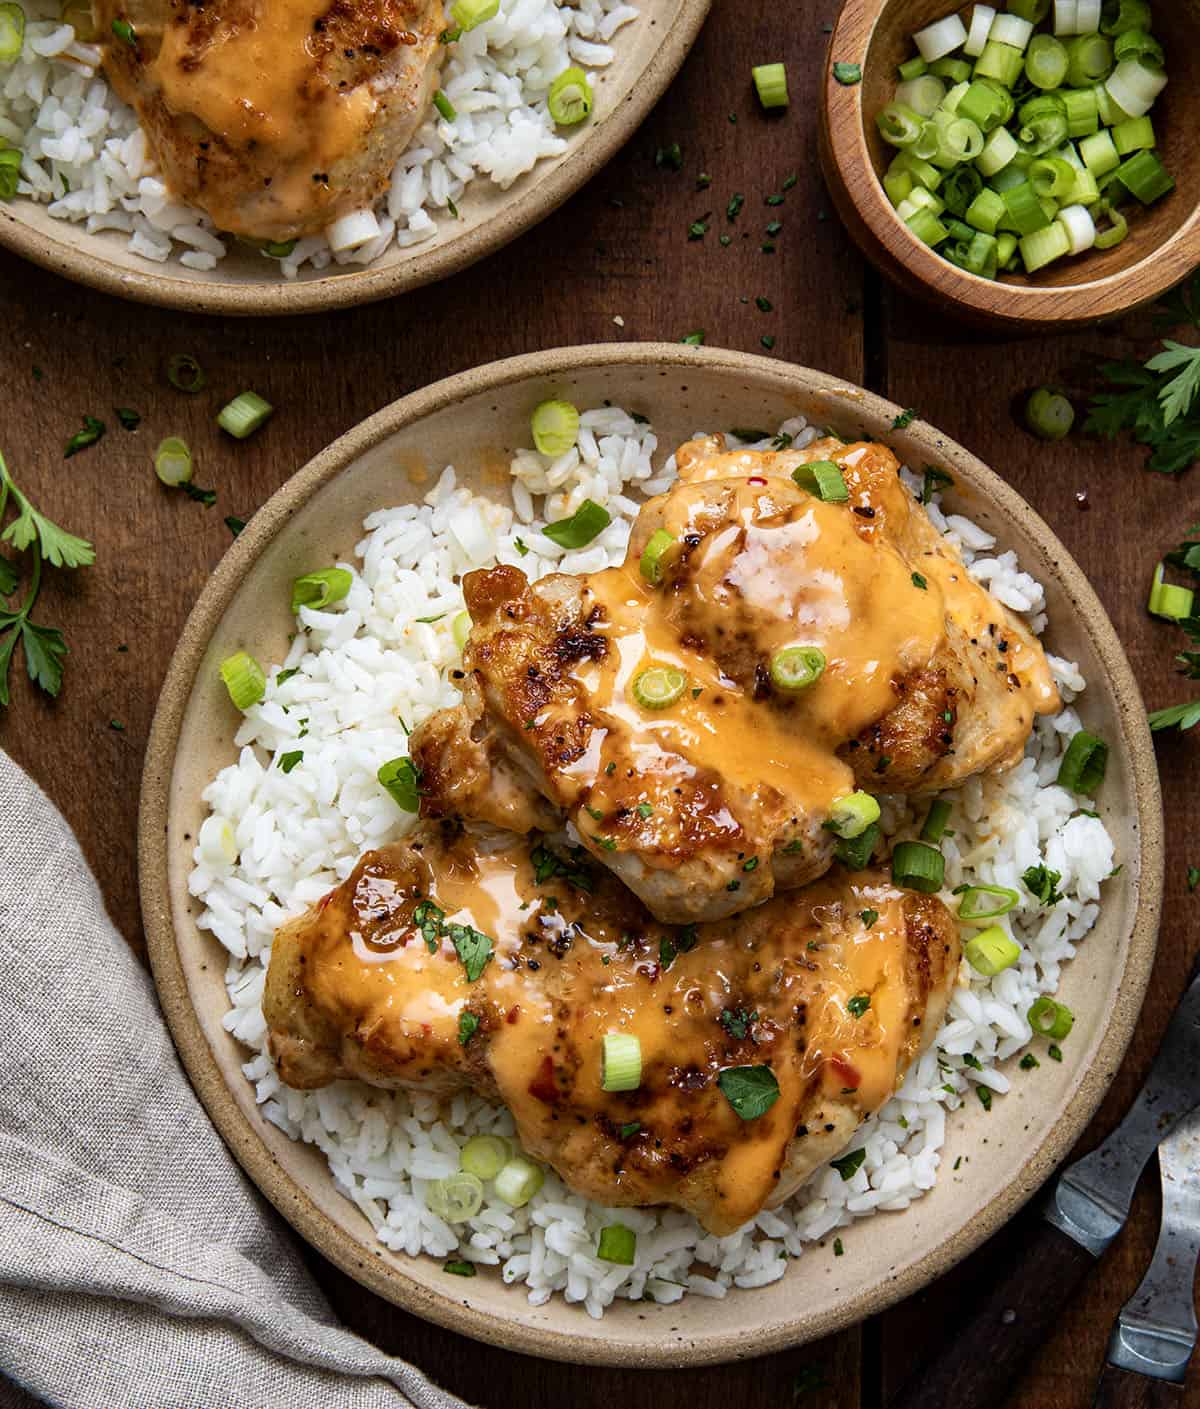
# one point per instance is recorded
(474, 421)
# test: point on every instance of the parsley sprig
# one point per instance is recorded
(1155, 401)
(44, 646)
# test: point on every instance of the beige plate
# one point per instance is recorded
(648, 55)
(474, 421)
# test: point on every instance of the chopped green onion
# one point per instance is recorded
(467, 14)
(1084, 764)
(1133, 87)
(518, 1181)
(554, 426)
(1145, 177)
(1011, 29)
(321, 589)
(456, 1198)
(1089, 59)
(986, 211)
(1044, 247)
(998, 152)
(824, 479)
(1137, 44)
(1001, 62)
(990, 951)
(962, 187)
(770, 83)
(185, 373)
(1048, 414)
(1083, 112)
(955, 71)
(936, 818)
(1046, 62)
(916, 67)
(1133, 135)
(244, 415)
(855, 853)
(244, 679)
(899, 124)
(1119, 16)
(484, 1156)
(617, 1244)
(1042, 124)
(851, 816)
(12, 33)
(621, 1062)
(570, 98)
(848, 74)
(1167, 600)
(922, 94)
(940, 38)
(173, 461)
(1024, 209)
(983, 902)
(956, 139)
(586, 523)
(399, 778)
(1050, 1019)
(444, 106)
(458, 1268)
(695, 339)
(125, 32)
(797, 667)
(1110, 238)
(1099, 153)
(918, 866)
(986, 104)
(1051, 176)
(657, 547)
(1035, 11)
(10, 172)
(659, 687)
(460, 629)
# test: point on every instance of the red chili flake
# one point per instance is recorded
(756, 479)
(513, 1013)
(543, 1086)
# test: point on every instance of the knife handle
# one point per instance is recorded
(1125, 1389)
(985, 1354)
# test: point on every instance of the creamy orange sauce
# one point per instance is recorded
(783, 568)
(569, 968)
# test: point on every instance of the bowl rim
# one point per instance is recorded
(540, 194)
(882, 236)
(241, 1135)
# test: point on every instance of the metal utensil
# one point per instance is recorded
(1084, 1211)
(1156, 1331)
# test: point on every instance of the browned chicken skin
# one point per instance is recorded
(275, 116)
(713, 804)
(368, 984)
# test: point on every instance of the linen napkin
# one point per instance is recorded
(139, 1269)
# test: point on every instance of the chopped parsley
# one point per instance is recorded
(751, 1091)
(858, 1005)
(285, 675)
(985, 1097)
(905, 419)
(734, 208)
(794, 846)
(935, 481)
(458, 1268)
(428, 917)
(631, 1129)
(521, 547)
(838, 1249)
(767, 341)
(764, 304)
(1041, 883)
(919, 581)
(89, 435)
(573, 868)
(288, 761)
(468, 1026)
(669, 158)
(849, 1165)
(737, 1022)
(234, 525)
(1054, 1052)
(774, 200)
(1193, 878)
(751, 865)
(473, 948)
(129, 418)
(645, 810)
(697, 229)
(868, 917)
(1028, 1062)
(971, 1061)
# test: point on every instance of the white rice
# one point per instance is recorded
(360, 669)
(88, 161)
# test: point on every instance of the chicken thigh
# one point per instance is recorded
(275, 116)
(711, 803)
(451, 960)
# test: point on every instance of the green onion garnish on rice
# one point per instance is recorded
(244, 679)
(1051, 1019)
(586, 523)
(617, 1244)
(1084, 764)
(918, 866)
(518, 1181)
(554, 426)
(12, 33)
(321, 589)
(570, 98)
(851, 816)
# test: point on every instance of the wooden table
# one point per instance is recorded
(618, 251)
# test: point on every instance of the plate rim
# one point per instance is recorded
(203, 1067)
(353, 288)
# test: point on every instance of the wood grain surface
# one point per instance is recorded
(620, 250)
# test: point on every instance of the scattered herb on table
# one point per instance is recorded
(234, 525)
(695, 339)
(91, 432)
(698, 229)
(128, 417)
(669, 158)
(44, 646)
(1186, 557)
(1155, 401)
(1193, 878)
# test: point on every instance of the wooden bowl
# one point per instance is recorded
(1163, 244)
(474, 421)
(648, 55)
